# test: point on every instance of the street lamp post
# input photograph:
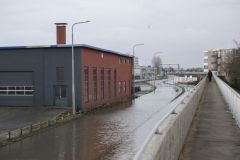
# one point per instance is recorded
(134, 46)
(73, 70)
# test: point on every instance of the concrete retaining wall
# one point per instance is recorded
(167, 142)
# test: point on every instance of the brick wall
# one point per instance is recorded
(91, 59)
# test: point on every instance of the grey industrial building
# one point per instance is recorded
(36, 76)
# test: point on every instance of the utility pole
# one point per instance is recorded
(73, 69)
(133, 83)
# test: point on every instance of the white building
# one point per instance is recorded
(205, 61)
(143, 72)
(215, 59)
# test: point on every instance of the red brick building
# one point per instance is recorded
(106, 77)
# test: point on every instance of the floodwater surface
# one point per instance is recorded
(115, 133)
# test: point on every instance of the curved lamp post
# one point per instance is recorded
(73, 71)
(134, 46)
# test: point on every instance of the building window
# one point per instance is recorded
(60, 73)
(214, 56)
(129, 86)
(94, 83)
(60, 92)
(125, 61)
(115, 82)
(109, 83)
(16, 90)
(121, 60)
(86, 84)
(102, 83)
(120, 87)
(124, 87)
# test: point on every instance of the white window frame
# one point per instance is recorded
(16, 90)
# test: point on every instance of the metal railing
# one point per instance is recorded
(198, 88)
(232, 98)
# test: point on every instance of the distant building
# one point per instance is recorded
(41, 75)
(143, 72)
(137, 69)
(136, 61)
(197, 69)
(148, 72)
(205, 62)
(216, 59)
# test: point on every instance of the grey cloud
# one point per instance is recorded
(180, 29)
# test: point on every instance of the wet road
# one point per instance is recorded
(115, 133)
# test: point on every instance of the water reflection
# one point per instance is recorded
(115, 133)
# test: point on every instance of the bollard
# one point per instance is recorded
(31, 128)
(21, 132)
(9, 135)
(174, 112)
(158, 132)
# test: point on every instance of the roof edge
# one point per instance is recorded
(65, 46)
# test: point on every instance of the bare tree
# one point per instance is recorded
(232, 69)
(237, 43)
(157, 62)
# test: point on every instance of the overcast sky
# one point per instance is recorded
(181, 29)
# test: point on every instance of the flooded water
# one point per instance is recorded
(115, 133)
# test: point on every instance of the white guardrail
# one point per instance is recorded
(198, 89)
(231, 97)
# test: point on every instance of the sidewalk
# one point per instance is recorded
(17, 117)
(214, 134)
